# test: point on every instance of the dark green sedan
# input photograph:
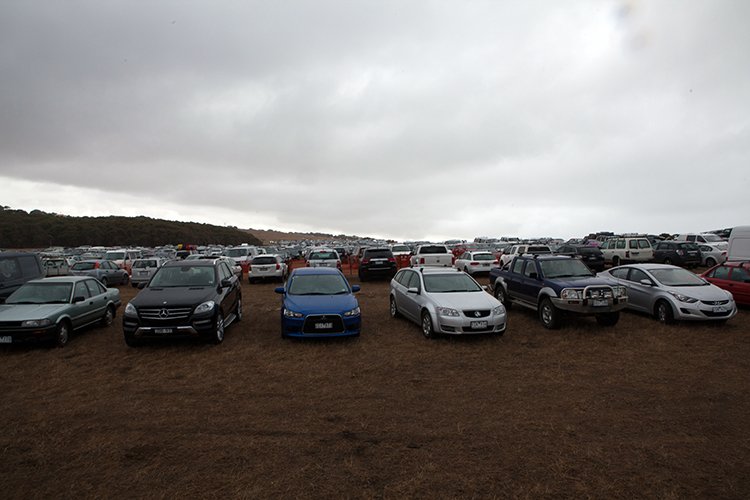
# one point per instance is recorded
(49, 309)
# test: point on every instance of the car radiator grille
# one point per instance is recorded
(328, 324)
(599, 293)
(10, 324)
(715, 302)
(477, 313)
(165, 313)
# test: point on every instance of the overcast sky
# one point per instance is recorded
(401, 119)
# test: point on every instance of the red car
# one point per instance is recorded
(733, 277)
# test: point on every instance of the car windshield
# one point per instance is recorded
(400, 248)
(712, 238)
(689, 246)
(484, 256)
(318, 284)
(83, 266)
(237, 252)
(41, 293)
(264, 260)
(450, 283)
(179, 276)
(564, 268)
(433, 249)
(378, 254)
(144, 264)
(114, 255)
(589, 251)
(323, 256)
(671, 276)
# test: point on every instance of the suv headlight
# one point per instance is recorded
(35, 323)
(571, 294)
(207, 306)
(291, 314)
(498, 311)
(130, 310)
(353, 312)
(683, 298)
(620, 291)
(446, 311)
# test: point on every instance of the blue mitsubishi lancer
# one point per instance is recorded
(319, 302)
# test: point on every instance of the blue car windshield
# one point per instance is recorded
(178, 276)
(450, 283)
(41, 293)
(318, 284)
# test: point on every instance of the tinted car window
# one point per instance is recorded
(433, 249)
(378, 254)
(264, 260)
(740, 274)
(484, 256)
(83, 266)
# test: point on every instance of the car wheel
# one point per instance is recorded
(62, 334)
(134, 285)
(608, 319)
(131, 341)
(710, 262)
(615, 261)
(667, 261)
(549, 315)
(125, 279)
(103, 280)
(427, 329)
(394, 308)
(109, 316)
(238, 309)
(664, 312)
(218, 336)
(501, 296)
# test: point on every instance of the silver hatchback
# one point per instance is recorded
(445, 301)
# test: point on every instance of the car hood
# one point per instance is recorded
(582, 281)
(705, 292)
(465, 300)
(21, 312)
(323, 304)
(173, 296)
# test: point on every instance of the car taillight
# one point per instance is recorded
(421, 260)
(278, 266)
(366, 261)
(474, 264)
(391, 259)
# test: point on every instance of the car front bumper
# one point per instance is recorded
(296, 327)
(699, 311)
(461, 325)
(23, 335)
(587, 306)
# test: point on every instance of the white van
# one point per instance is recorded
(703, 238)
(241, 254)
(739, 244)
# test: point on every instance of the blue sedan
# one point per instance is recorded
(319, 302)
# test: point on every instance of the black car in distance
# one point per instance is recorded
(377, 262)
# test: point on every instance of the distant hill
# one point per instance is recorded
(269, 235)
(37, 229)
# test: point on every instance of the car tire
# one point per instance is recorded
(502, 296)
(667, 261)
(710, 262)
(134, 285)
(218, 334)
(125, 279)
(394, 308)
(109, 317)
(428, 330)
(62, 334)
(103, 281)
(663, 312)
(608, 319)
(549, 315)
(131, 341)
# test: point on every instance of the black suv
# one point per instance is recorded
(16, 268)
(591, 256)
(377, 262)
(194, 299)
(679, 253)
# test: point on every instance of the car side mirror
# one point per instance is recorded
(78, 298)
(355, 288)
(226, 283)
(646, 282)
(413, 290)
(280, 290)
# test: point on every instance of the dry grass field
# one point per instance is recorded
(638, 410)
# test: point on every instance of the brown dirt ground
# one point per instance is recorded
(638, 410)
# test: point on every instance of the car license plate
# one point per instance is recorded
(162, 331)
(323, 326)
(720, 309)
(6, 339)
(142, 273)
(478, 324)
(599, 302)
(264, 269)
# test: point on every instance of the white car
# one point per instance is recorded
(324, 258)
(269, 266)
(445, 301)
(142, 269)
(517, 250)
(476, 262)
(703, 239)
(712, 255)
(622, 250)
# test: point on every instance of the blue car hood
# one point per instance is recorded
(22, 312)
(320, 304)
(580, 282)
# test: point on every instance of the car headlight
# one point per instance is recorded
(35, 323)
(130, 310)
(207, 306)
(446, 311)
(498, 311)
(353, 312)
(620, 291)
(291, 314)
(571, 294)
(683, 298)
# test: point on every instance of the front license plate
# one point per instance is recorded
(478, 324)
(162, 331)
(720, 309)
(142, 273)
(6, 339)
(323, 326)
(599, 302)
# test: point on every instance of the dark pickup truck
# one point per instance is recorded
(554, 284)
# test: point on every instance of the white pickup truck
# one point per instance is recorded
(432, 255)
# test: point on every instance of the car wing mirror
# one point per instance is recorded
(226, 283)
(355, 288)
(413, 290)
(646, 282)
(280, 290)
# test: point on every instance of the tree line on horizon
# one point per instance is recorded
(37, 229)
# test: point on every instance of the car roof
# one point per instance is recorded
(649, 266)
(191, 263)
(61, 279)
(436, 270)
(315, 270)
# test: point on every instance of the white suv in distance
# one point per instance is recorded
(324, 258)
(622, 250)
(476, 262)
(267, 266)
(142, 269)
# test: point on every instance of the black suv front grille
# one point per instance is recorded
(165, 313)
